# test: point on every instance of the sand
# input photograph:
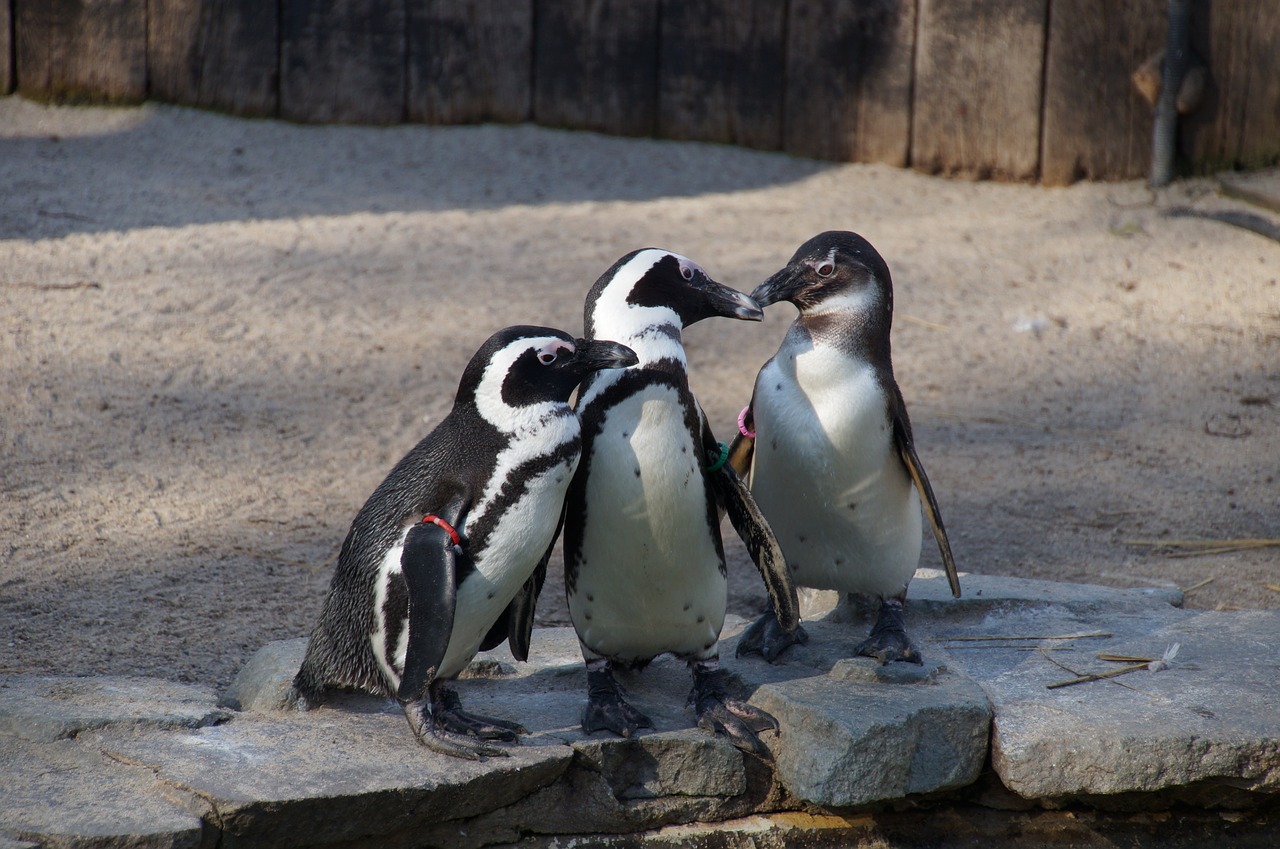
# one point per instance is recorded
(217, 335)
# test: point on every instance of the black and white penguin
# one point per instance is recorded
(448, 555)
(831, 458)
(644, 561)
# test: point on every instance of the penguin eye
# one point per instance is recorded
(686, 272)
(826, 268)
(546, 358)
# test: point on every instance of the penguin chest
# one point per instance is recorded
(507, 532)
(827, 475)
(650, 574)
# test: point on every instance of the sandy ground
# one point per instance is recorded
(217, 336)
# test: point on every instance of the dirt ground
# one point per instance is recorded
(217, 336)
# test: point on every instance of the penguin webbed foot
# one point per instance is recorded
(720, 714)
(769, 639)
(888, 640)
(607, 710)
(441, 725)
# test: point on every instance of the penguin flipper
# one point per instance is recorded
(429, 564)
(516, 622)
(907, 451)
(751, 525)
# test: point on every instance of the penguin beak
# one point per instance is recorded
(780, 287)
(730, 303)
(598, 354)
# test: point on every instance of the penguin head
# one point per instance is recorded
(652, 288)
(834, 272)
(524, 369)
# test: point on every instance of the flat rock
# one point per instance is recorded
(48, 707)
(348, 770)
(61, 794)
(1209, 719)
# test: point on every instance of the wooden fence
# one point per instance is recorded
(1007, 89)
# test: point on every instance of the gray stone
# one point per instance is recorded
(863, 732)
(47, 707)
(264, 682)
(929, 592)
(147, 768)
(1211, 718)
(349, 770)
(61, 793)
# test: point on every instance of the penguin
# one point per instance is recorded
(449, 553)
(827, 446)
(644, 560)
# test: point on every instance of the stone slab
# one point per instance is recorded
(61, 793)
(854, 732)
(1210, 718)
(929, 595)
(350, 770)
(50, 707)
(264, 682)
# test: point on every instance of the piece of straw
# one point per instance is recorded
(1202, 547)
(1089, 636)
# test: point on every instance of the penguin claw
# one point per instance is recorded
(442, 726)
(767, 638)
(889, 648)
(739, 722)
(888, 640)
(612, 713)
(720, 714)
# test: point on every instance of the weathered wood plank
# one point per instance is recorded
(719, 71)
(848, 80)
(470, 61)
(596, 65)
(6, 46)
(81, 50)
(342, 61)
(979, 68)
(1238, 125)
(1096, 124)
(217, 54)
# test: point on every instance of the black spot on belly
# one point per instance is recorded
(491, 594)
(701, 619)
(708, 645)
(778, 387)
(853, 505)
(775, 444)
(637, 471)
(586, 616)
(590, 597)
(801, 537)
(687, 605)
(839, 561)
(795, 567)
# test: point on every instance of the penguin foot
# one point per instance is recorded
(440, 724)
(606, 710)
(888, 640)
(767, 638)
(720, 714)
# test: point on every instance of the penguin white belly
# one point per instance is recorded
(518, 541)
(650, 578)
(828, 478)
